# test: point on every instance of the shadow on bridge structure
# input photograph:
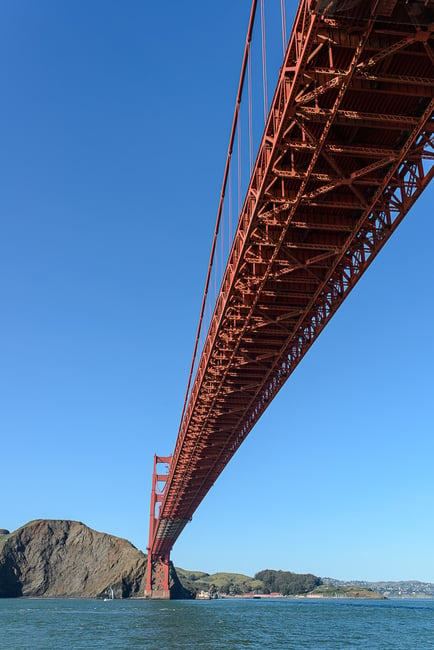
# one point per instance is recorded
(346, 150)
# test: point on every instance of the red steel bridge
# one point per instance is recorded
(347, 149)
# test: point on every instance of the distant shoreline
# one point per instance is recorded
(247, 597)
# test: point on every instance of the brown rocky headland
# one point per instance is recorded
(57, 558)
(66, 558)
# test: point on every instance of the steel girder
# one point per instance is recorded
(347, 150)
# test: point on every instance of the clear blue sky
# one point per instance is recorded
(115, 120)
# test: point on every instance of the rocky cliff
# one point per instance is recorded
(55, 558)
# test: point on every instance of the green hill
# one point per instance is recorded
(350, 591)
(226, 583)
(235, 584)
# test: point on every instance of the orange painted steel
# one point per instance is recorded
(347, 149)
(158, 566)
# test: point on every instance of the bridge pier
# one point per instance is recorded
(157, 577)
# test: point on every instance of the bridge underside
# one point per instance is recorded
(347, 150)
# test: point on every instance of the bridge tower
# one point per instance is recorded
(157, 577)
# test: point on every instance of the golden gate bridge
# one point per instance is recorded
(346, 150)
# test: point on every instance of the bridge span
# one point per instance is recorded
(347, 149)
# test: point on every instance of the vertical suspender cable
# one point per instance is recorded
(215, 268)
(264, 61)
(249, 85)
(230, 209)
(222, 195)
(239, 165)
(283, 15)
(222, 237)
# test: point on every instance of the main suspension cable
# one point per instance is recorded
(222, 196)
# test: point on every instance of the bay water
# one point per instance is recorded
(36, 624)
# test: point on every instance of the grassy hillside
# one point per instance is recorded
(350, 591)
(230, 583)
(283, 582)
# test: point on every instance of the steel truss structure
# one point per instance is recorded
(347, 150)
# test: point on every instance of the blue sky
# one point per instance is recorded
(115, 120)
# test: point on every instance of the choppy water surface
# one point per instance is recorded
(290, 624)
